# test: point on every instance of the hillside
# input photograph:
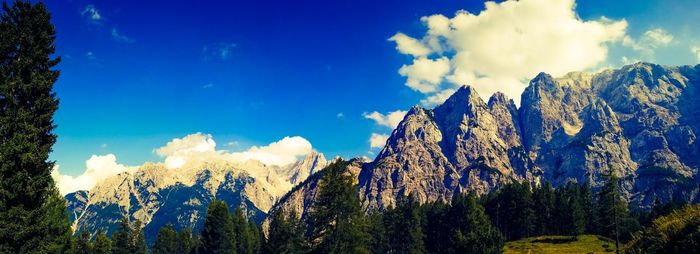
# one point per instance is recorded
(560, 245)
(638, 122)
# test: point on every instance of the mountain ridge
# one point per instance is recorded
(635, 122)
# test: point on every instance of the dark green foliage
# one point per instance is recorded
(543, 200)
(286, 235)
(129, 238)
(436, 227)
(614, 220)
(568, 214)
(166, 241)
(139, 239)
(218, 236)
(378, 242)
(81, 244)
(122, 240)
(185, 242)
(512, 210)
(403, 228)
(246, 237)
(675, 233)
(337, 222)
(101, 244)
(472, 231)
(32, 213)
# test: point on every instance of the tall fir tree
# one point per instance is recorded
(404, 228)
(543, 201)
(123, 238)
(472, 231)
(337, 222)
(286, 235)
(614, 220)
(218, 236)
(81, 244)
(245, 238)
(185, 242)
(139, 238)
(437, 228)
(101, 244)
(32, 213)
(376, 229)
(166, 241)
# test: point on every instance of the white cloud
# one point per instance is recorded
(120, 37)
(283, 152)
(696, 51)
(340, 115)
(377, 140)
(409, 46)
(188, 150)
(97, 168)
(391, 119)
(506, 44)
(200, 147)
(649, 42)
(658, 37)
(206, 86)
(425, 75)
(92, 14)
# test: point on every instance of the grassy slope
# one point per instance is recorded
(561, 244)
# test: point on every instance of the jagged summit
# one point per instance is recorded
(638, 122)
(156, 195)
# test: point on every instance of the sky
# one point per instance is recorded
(169, 81)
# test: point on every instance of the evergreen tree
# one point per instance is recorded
(81, 244)
(543, 201)
(218, 236)
(286, 235)
(437, 228)
(139, 244)
(33, 217)
(101, 244)
(511, 210)
(589, 208)
(403, 227)
(378, 241)
(257, 236)
(166, 241)
(185, 242)
(613, 217)
(245, 240)
(472, 231)
(336, 219)
(123, 239)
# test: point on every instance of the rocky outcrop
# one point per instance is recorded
(156, 195)
(639, 123)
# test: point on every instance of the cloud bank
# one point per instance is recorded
(179, 152)
(97, 168)
(503, 46)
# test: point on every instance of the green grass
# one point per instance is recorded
(561, 244)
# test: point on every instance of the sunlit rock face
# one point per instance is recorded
(639, 123)
(156, 195)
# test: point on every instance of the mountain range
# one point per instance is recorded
(639, 123)
(156, 195)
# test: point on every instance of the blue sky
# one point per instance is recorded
(136, 74)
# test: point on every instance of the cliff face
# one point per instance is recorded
(157, 196)
(638, 122)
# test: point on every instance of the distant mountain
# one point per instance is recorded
(157, 196)
(639, 122)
